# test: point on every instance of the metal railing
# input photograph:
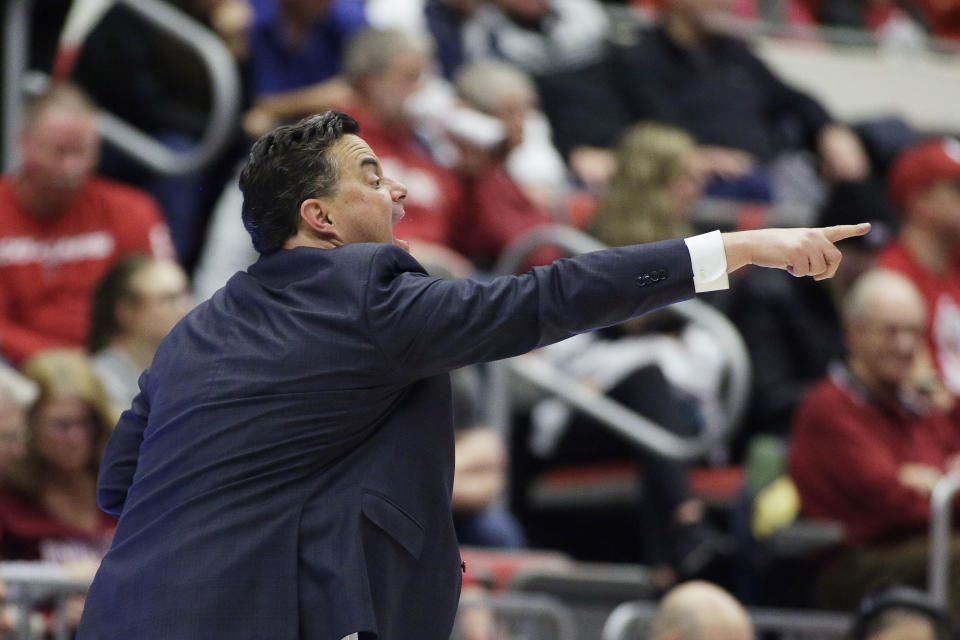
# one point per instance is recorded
(636, 428)
(33, 583)
(938, 567)
(525, 616)
(224, 83)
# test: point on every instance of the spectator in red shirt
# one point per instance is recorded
(61, 227)
(386, 67)
(924, 183)
(500, 210)
(871, 440)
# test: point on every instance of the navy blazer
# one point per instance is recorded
(286, 470)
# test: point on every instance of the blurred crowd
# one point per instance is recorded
(503, 117)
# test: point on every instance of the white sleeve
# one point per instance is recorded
(709, 260)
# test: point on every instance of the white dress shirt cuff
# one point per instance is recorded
(709, 260)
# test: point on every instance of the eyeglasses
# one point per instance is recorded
(62, 425)
(165, 299)
(889, 331)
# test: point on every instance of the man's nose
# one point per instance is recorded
(398, 191)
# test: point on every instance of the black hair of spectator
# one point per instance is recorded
(883, 607)
(285, 167)
(110, 291)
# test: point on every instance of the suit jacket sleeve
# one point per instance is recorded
(424, 325)
(120, 457)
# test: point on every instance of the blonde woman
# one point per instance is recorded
(48, 506)
(658, 179)
(658, 366)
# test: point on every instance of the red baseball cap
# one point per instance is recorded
(921, 166)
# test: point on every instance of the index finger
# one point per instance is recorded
(843, 231)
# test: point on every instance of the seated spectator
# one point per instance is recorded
(665, 369)
(792, 326)
(924, 184)
(700, 611)
(296, 54)
(562, 44)
(480, 472)
(384, 69)
(871, 440)
(500, 210)
(48, 500)
(730, 100)
(61, 227)
(134, 307)
(901, 613)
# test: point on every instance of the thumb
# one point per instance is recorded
(843, 231)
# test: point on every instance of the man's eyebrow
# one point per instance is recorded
(370, 160)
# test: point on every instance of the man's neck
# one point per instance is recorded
(862, 376)
(933, 250)
(38, 202)
(305, 239)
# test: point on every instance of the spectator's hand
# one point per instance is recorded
(593, 166)
(232, 20)
(927, 381)
(724, 163)
(257, 121)
(479, 474)
(953, 463)
(75, 609)
(801, 252)
(922, 477)
(843, 156)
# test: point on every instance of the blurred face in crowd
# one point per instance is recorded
(939, 207)
(884, 338)
(512, 111)
(65, 428)
(13, 431)
(686, 185)
(388, 90)
(59, 151)
(161, 297)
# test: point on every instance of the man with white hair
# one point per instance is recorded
(872, 439)
(700, 611)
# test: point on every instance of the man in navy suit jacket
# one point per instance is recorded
(285, 472)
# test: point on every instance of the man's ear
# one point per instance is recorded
(315, 215)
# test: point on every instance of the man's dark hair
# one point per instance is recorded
(285, 167)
